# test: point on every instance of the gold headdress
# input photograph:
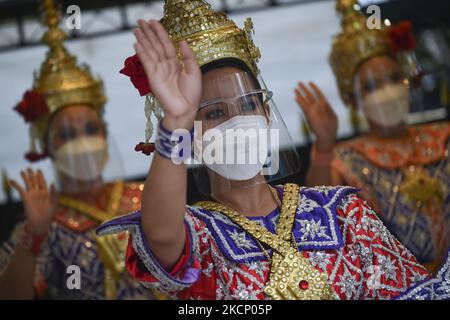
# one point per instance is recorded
(354, 45)
(211, 35)
(60, 83)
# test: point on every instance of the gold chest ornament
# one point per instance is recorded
(292, 277)
(421, 187)
(111, 248)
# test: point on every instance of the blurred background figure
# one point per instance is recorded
(403, 170)
(64, 112)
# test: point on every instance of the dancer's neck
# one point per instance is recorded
(256, 200)
(80, 188)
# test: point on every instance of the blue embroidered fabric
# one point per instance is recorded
(436, 288)
(315, 226)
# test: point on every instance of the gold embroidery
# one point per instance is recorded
(292, 276)
(419, 186)
(211, 35)
(111, 252)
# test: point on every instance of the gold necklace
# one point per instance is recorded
(277, 200)
(292, 277)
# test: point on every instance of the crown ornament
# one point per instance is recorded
(60, 82)
(354, 45)
(211, 35)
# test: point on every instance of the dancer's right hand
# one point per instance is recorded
(176, 88)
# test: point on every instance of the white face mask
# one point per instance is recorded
(387, 106)
(242, 158)
(82, 158)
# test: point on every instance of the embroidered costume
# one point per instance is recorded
(405, 179)
(340, 236)
(71, 240)
(408, 182)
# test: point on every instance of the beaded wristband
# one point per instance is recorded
(169, 145)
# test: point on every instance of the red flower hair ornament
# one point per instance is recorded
(32, 106)
(401, 37)
(35, 156)
(135, 71)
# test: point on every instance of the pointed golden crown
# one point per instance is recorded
(60, 80)
(354, 45)
(211, 35)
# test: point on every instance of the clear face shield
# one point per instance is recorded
(240, 139)
(80, 150)
(382, 93)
